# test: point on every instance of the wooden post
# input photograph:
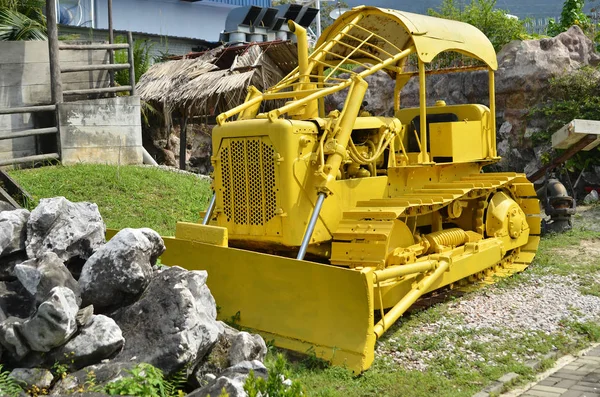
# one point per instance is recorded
(111, 40)
(131, 65)
(55, 80)
(182, 141)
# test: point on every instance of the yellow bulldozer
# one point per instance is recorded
(325, 227)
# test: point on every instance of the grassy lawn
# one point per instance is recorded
(455, 348)
(127, 196)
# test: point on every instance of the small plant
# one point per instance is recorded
(9, 386)
(234, 321)
(589, 329)
(277, 383)
(60, 370)
(313, 362)
(146, 381)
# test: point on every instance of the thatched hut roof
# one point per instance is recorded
(202, 86)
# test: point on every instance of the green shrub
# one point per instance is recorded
(146, 381)
(9, 386)
(141, 60)
(273, 386)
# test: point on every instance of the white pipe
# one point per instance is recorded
(147, 158)
(318, 21)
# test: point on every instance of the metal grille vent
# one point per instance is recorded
(248, 172)
(226, 174)
(270, 192)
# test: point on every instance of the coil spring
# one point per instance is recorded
(448, 238)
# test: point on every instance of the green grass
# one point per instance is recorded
(127, 196)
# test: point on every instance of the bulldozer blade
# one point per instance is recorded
(299, 305)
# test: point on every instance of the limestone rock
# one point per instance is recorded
(13, 231)
(8, 263)
(15, 300)
(40, 275)
(84, 315)
(247, 347)
(244, 368)
(120, 270)
(103, 374)
(70, 230)
(233, 387)
(101, 338)
(12, 340)
(53, 323)
(174, 322)
(591, 198)
(216, 360)
(29, 377)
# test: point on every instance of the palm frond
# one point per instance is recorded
(17, 26)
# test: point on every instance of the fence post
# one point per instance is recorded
(183, 141)
(131, 65)
(54, 60)
(111, 39)
(55, 80)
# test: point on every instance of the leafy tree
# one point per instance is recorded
(495, 23)
(572, 14)
(22, 20)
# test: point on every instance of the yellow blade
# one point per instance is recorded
(300, 305)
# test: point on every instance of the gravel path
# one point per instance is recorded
(177, 170)
(540, 305)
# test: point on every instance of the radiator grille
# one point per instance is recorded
(248, 174)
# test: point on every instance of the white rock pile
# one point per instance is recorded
(69, 298)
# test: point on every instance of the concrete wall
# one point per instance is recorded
(106, 131)
(25, 81)
(21, 65)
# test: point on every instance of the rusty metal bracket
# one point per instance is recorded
(567, 154)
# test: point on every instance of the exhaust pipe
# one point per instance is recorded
(312, 107)
(300, 33)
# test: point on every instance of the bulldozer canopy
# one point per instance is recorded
(429, 35)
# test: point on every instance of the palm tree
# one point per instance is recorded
(22, 20)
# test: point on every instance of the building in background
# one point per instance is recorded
(174, 26)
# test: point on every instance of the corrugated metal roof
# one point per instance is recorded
(259, 3)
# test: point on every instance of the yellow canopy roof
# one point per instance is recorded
(430, 36)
